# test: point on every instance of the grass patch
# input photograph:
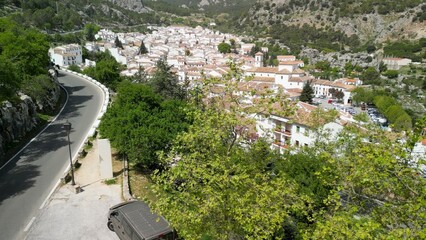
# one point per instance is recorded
(140, 185)
(110, 181)
(44, 117)
(88, 146)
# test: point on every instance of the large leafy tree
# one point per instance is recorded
(139, 123)
(218, 189)
(106, 71)
(381, 193)
(9, 83)
(224, 48)
(220, 185)
(23, 55)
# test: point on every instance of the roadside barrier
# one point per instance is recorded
(95, 124)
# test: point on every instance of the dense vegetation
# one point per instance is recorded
(58, 16)
(220, 185)
(23, 60)
(297, 37)
(415, 50)
(234, 7)
(146, 116)
(212, 181)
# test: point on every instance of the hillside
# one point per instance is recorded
(370, 20)
(208, 7)
(68, 15)
(327, 24)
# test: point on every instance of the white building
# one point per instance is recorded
(288, 73)
(396, 63)
(296, 131)
(66, 55)
(322, 88)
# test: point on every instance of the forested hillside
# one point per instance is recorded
(366, 20)
(26, 90)
(68, 15)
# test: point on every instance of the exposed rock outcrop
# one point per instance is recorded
(362, 59)
(134, 5)
(18, 119)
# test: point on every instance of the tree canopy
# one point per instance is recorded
(140, 122)
(224, 48)
(23, 55)
(307, 93)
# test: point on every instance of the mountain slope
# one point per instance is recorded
(370, 20)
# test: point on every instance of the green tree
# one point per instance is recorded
(382, 67)
(232, 42)
(209, 192)
(219, 190)
(166, 83)
(370, 76)
(380, 194)
(323, 65)
(10, 82)
(142, 49)
(307, 93)
(118, 43)
(106, 71)
(140, 123)
(224, 48)
(23, 55)
(362, 95)
(90, 30)
(391, 73)
(37, 87)
(403, 122)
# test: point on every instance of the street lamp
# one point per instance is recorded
(67, 127)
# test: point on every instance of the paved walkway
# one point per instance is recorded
(70, 216)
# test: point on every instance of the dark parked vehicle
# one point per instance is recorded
(134, 221)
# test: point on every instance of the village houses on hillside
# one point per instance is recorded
(193, 53)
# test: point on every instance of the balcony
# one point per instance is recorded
(283, 131)
(281, 144)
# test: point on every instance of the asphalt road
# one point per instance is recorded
(27, 180)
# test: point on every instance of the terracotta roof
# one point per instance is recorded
(263, 79)
(306, 106)
(259, 54)
(263, 69)
(289, 62)
(295, 79)
(334, 84)
(424, 142)
(285, 56)
(283, 71)
(298, 71)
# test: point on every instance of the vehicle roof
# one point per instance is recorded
(148, 224)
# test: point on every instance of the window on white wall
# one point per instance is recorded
(297, 129)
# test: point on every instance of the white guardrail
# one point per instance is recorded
(104, 107)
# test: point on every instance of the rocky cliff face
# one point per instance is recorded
(17, 119)
(387, 21)
(134, 5)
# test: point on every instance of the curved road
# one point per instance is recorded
(27, 180)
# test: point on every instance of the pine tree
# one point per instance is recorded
(307, 93)
(118, 43)
(142, 49)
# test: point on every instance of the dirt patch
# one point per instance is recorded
(140, 184)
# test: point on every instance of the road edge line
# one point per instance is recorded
(50, 194)
(29, 224)
(44, 129)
